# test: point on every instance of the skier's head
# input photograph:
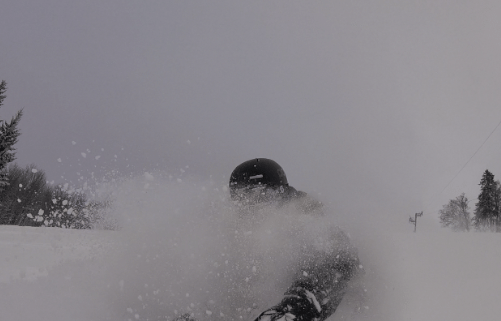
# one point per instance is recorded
(258, 180)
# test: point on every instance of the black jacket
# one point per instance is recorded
(322, 276)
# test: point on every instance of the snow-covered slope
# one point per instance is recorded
(438, 276)
(435, 276)
(157, 264)
(28, 253)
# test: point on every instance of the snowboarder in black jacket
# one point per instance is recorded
(323, 276)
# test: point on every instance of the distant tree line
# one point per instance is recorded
(487, 211)
(27, 199)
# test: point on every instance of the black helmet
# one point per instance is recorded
(257, 173)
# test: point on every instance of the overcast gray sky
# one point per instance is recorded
(374, 106)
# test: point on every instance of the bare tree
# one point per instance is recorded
(456, 214)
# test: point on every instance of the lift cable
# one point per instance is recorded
(492, 132)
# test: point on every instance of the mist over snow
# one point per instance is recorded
(183, 248)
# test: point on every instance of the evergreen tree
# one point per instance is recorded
(8, 137)
(487, 209)
(497, 205)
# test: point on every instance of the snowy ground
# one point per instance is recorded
(54, 274)
(28, 253)
(437, 276)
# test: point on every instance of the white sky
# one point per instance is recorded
(375, 105)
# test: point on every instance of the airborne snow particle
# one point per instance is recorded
(59, 160)
(98, 157)
(34, 170)
(84, 155)
(73, 142)
(148, 176)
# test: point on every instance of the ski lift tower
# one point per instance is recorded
(414, 220)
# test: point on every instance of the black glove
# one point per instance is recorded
(301, 305)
